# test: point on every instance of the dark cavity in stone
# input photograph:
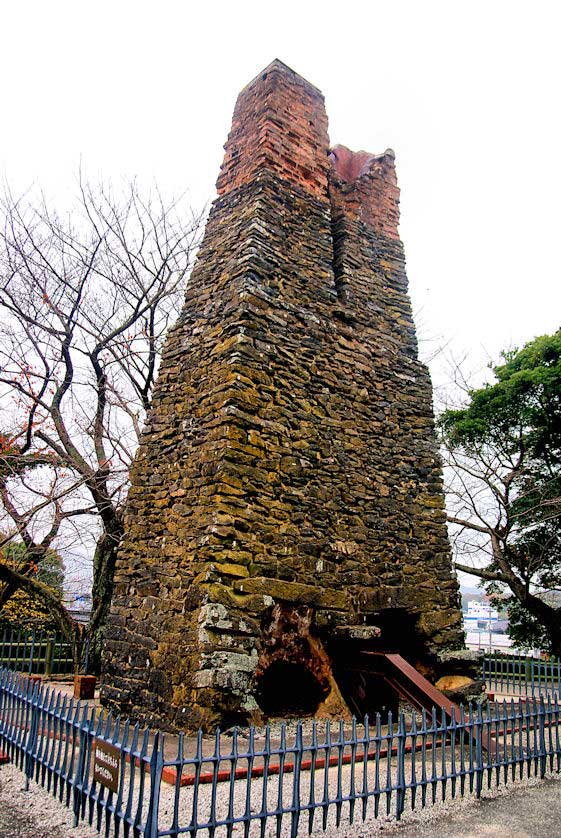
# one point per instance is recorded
(289, 689)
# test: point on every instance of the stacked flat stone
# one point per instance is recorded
(287, 487)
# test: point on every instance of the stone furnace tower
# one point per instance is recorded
(286, 509)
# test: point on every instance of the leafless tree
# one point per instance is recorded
(85, 303)
(502, 479)
(496, 542)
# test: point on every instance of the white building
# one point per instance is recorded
(485, 631)
(483, 628)
(480, 616)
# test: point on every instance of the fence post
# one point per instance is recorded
(31, 744)
(78, 780)
(543, 758)
(49, 657)
(31, 653)
(156, 767)
(478, 751)
(298, 752)
(400, 785)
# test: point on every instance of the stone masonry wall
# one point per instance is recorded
(287, 478)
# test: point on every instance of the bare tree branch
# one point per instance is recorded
(85, 302)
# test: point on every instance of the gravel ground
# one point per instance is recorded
(33, 814)
(528, 808)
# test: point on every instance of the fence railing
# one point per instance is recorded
(37, 653)
(271, 781)
(522, 676)
(53, 739)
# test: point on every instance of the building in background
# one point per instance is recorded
(487, 631)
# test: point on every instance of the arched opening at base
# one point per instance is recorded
(289, 689)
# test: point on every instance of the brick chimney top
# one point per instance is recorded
(350, 165)
(280, 68)
(279, 128)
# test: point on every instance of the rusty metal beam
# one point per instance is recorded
(415, 688)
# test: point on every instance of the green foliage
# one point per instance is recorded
(50, 570)
(22, 611)
(13, 462)
(525, 630)
(521, 409)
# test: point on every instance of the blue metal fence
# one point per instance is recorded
(51, 737)
(522, 676)
(284, 780)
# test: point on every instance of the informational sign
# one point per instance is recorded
(107, 762)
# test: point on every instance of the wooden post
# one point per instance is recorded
(84, 686)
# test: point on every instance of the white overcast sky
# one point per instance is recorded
(466, 93)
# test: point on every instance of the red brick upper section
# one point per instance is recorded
(364, 187)
(280, 126)
(348, 164)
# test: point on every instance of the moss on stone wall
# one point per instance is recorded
(289, 456)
